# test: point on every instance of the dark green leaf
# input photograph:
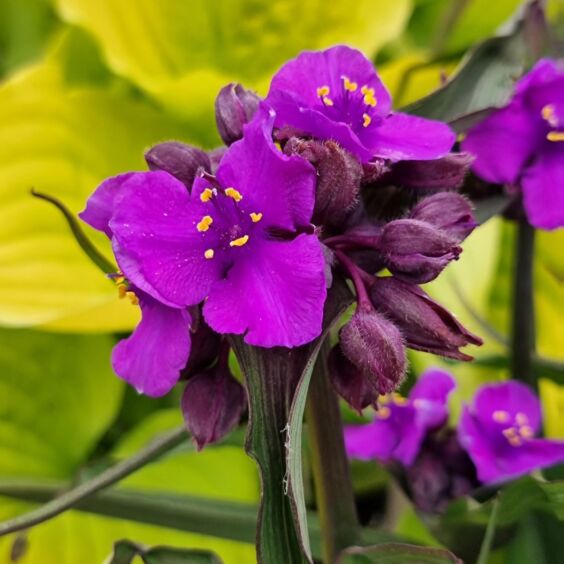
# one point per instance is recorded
(396, 553)
(485, 549)
(125, 552)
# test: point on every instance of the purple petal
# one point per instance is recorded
(153, 356)
(403, 137)
(281, 187)
(543, 188)
(100, 206)
(430, 395)
(502, 144)
(544, 71)
(274, 296)
(155, 231)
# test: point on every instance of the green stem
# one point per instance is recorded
(523, 322)
(107, 478)
(333, 486)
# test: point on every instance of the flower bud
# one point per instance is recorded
(416, 251)
(375, 347)
(205, 344)
(215, 156)
(349, 382)
(450, 212)
(212, 404)
(234, 107)
(376, 171)
(181, 160)
(425, 325)
(338, 178)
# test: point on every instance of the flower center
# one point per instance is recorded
(549, 115)
(519, 429)
(350, 104)
(227, 225)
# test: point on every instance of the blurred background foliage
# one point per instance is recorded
(85, 87)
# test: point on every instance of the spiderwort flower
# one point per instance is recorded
(152, 358)
(336, 94)
(523, 144)
(237, 241)
(498, 432)
(401, 424)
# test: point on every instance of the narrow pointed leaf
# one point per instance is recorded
(397, 553)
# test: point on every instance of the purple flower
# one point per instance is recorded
(498, 432)
(402, 424)
(152, 358)
(523, 144)
(336, 94)
(237, 241)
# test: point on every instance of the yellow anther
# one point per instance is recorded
(119, 280)
(239, 242)
(323, 91)
(549, 115)
(383, 412)
(521, 419)
(398, 400)
(515, 441)
(206, 195)
(122, 291)
(366, 90)
(278, 146)
(255, 217)
(204, 223)
(500, 416)
(509, 433)
(132, 298)
(555, 136)
(209, 253)
(370, 100)
(327, 101)
(526, 432)
(366, 120)
(349, 84)
(235, 194)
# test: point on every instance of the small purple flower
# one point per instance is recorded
(336, 94)
(239, 241)
(152, 358)
(401, 424)
(523, 144)
(498, 432)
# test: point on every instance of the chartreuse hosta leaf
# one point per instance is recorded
(181, 53)
(63, 139)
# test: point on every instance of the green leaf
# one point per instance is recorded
(396, 553)
(277, 381)
(485, 549)
(126, 551)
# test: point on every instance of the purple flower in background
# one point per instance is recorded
(498, 432)
(152, 358)
(237, 241)
(523, 144)
(336, 94)
(401, 424)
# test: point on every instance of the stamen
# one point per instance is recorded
(132, 298)
(521, 419)
(327, 101)
(366, 90)
(323, 91)
(555, 136)
(515, 441)
(278, 146)
(348, 84)
(398, 400)
(206, 195)
(239, 242)
(204, 223)
(366, 120)
(235, 194)
(549, 115)
(526, 432)
(383, 412)
(255, 217)
(122, 291)
(209, 253)
(369, 99)
(500, 416)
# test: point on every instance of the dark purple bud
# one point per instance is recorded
(376, 171)
(338, 178)
(450, 212)
(212, 404)
(446, 173)
(375, 347)
(234, 107)
(349, 382)
(425, 324)
(416, 251)
(205, 344)
(215, 156)
(181, 160)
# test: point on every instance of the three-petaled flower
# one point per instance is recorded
(337, 94)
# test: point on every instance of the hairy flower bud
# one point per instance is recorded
(179, 159)
(212, 404)
(349, 382)
(338, 178)
(375, 347)
(376, 171)
(234, 107)
(450, 212)
(425, 325)
(416, 251)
